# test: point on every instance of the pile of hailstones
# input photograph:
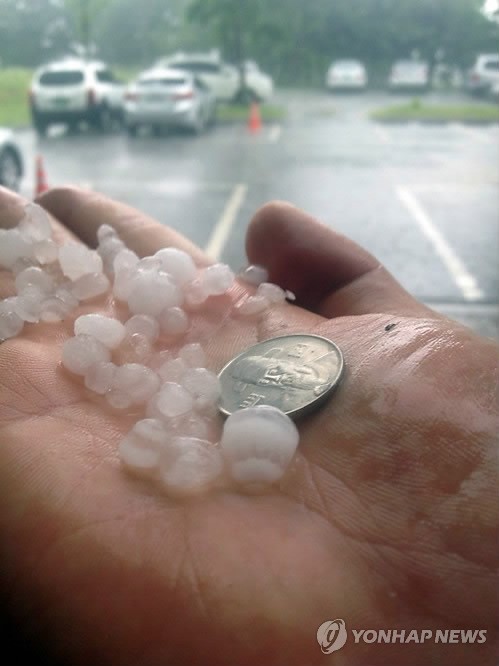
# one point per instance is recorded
(177, 443)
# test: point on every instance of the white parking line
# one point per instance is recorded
(224, 225)
(275, 133)
(464, 280)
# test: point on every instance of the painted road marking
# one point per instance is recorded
(275, 133)
(224, 225)
(464, 280)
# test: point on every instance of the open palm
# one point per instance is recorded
(387, 520)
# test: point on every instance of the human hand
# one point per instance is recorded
(389, 519)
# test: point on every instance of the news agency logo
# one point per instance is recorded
(332, 635)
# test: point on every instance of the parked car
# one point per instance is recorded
(11, 161)
(409, 76)
(73, 90)
(483, 75)
(223, 79)
(163, 97)
(346, 75)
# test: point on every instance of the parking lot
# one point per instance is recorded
(423, 199)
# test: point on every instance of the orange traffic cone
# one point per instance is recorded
(254, 120)
(41, 184)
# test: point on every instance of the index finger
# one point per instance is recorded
(82, 212)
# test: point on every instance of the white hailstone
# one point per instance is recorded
(11, 323)
(29, 304)
(104, 231)
(90, 286)
(172, 370)
(99, 377)
(290, 296)
(46, 251)
(149, 264)
(202, 383)
(77, 260)
(174, 321)
(64, 294)
(109, 331)
(272, 292)
(118, 399)
(178, 264)
(35, 224)
(258, 444)
(35, 277)
(136, 381)
(195, 293)
(144, 325)
(53, 310)
(140, 449)
(22, 263)
(107, 249)
(254, 274)
(82, 351)
(151, 292)
(13, 246)
(152, 410)
(135, 348)
(217, 279)
(189, 465)
(252, 305)
(124, 268)
(193, 355)
(173, 400)
(194, 425)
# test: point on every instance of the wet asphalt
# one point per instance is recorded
(423, 199)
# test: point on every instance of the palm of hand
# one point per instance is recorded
(373, 525)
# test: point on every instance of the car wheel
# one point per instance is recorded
(10, 170)
(40, 126)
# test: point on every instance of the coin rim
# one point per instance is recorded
(300, 411)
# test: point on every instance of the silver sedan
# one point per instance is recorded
(11, 161)
(166, 97)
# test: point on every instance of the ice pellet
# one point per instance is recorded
(118, 399)
(193, 355)
(104, 231)
(35, 224)
(11, 323)
(77, 260)
(217, 279)
(152, 292)
(252, 305)
(108, 248)
(64, 294)
(124, 267)
(36, 277)
(140, 448)
(144, 325)
(45, 251)
(271, 292)
(258, 443)
(99, 377)
(13, 246)
(174, 321)
(254, 274)
(137, 381)
(173, 400)
(195, 293)
(202, 383)
(29, 304)
(82, 351)
(106, 329)
(191, 465)
(53, 310)
(90, 286)
(135, 348)
(178, 264)
(172, 370)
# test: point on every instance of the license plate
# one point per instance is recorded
(60, 101)
(156, 98)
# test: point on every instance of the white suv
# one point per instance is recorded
(484, 74)
(221, 78)
(74, 90)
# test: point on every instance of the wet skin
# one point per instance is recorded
(389, 519)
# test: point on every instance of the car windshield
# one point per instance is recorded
(162, 81)
(61, 78)
(197, 67)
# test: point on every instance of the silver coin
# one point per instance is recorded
(295, 373)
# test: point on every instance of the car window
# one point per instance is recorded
(492, 65)
(105, 76)
(198, 67)
(200, 85)
(62, 78)
(163, 81)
